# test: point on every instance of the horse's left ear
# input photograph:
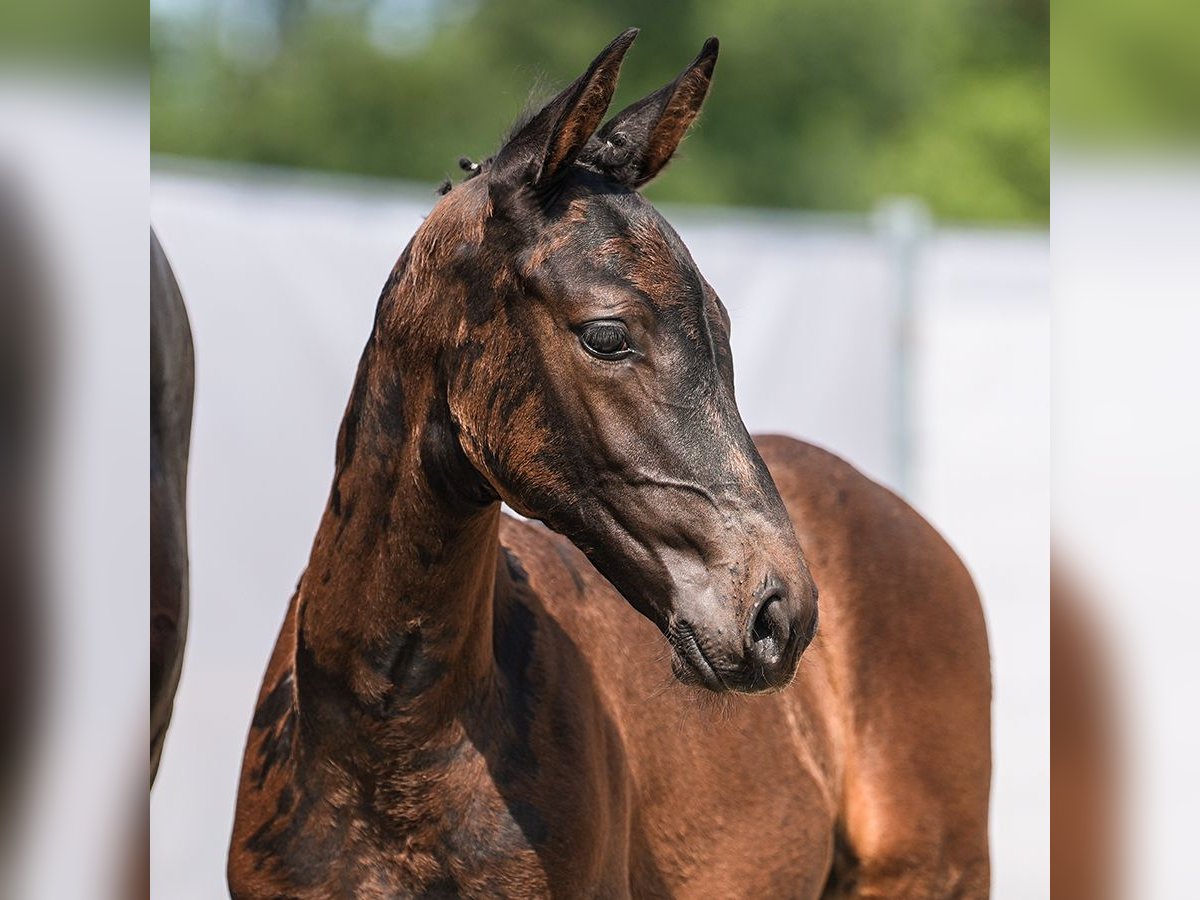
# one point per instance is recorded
(642, 138)
(546, 146)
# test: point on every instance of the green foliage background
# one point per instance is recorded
(820, 104)
(1127, 75)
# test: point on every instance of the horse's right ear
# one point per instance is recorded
(642, 138)
(545, 147)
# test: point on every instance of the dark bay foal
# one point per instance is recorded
(463, 704)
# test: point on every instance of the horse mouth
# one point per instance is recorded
(690, 665)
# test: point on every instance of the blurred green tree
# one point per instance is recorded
(821, 104)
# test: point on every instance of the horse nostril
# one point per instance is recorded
(769, 631)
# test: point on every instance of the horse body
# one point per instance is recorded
(610, 781)
(464, 704)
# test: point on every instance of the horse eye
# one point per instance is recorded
(606, 339)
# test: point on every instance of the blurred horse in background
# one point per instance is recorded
(24, 369)
(172, 381)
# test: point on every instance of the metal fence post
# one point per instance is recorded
(903, 224)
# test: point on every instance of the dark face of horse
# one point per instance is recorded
(595, 385)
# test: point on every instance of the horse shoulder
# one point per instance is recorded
(903, 635)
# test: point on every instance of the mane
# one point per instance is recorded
(533, 105)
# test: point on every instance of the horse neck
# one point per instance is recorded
(395, 608)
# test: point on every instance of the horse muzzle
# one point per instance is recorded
(752, 652)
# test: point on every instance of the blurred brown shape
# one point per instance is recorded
(22, 352)
(1084, 771)
(171, 389)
